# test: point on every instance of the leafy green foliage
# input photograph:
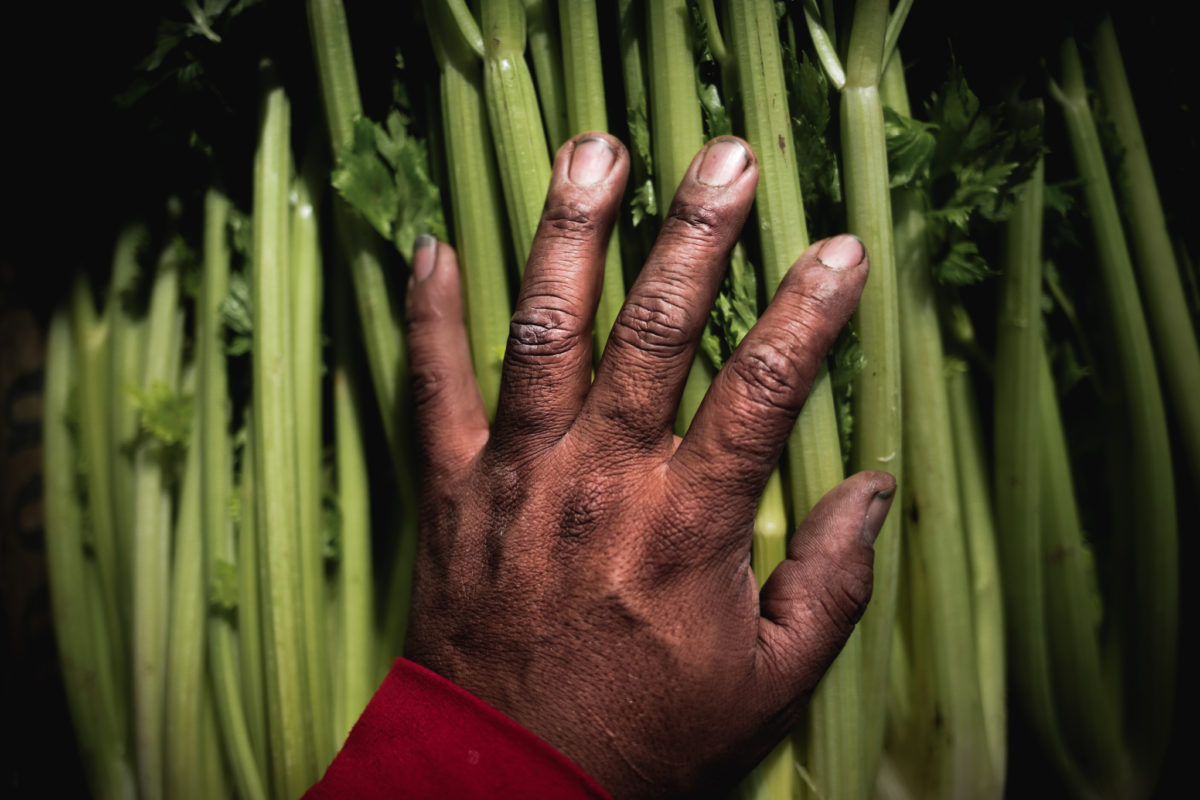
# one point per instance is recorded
(846, 361)
(970, 160)
(717, 120)
(237, 315)
(808, 99)
(166, 416)
(384, 174)
(911, 144)
(644, 203)
(733, 313)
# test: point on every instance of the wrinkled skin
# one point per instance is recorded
(583, 569)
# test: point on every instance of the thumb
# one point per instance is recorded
(813, 599)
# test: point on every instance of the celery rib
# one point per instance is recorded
(1158, 272)
(215, 521)
(515, 122)
(293, 756)
(677, 133)
(1148, 625)
(151, 537)
(477, 205)
(584, 83)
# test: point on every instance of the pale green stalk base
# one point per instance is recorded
(515, 121)
(946, 742)
(307, 289)
(877, 389)
(987, 598)
(584, 81)
(127, 356)
(92, 347)
(1147, 619)
(292, 749)
(356, 626)
(1087, 701)
(383, 337)
(1158, 272)
(212, 404)
(677, 133)
(476, 199)
(251, 643)
(185, 766)
(152, 536)
(547, 60)
(953, 758)
(106, 761)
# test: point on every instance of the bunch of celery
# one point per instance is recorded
(212, 523)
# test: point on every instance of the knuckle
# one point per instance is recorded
(429, 383)
(695, 222)
(655, 322)
(844, 596)
(569, 219)
(820, 301)
(768, 375)
(542, 332)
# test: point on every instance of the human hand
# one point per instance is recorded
(580, 567)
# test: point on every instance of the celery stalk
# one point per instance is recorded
(355, 583)
(101, 745)
(677, 134)
(305, 256)
(292, 749)
(93, 343)
(584, 80)
(1018, 480)
(151, 536)
(877, 388)
(382, 335)
(127, 346)
(1158, 272)
(515, 122)
(186, 684)
(215, 520)
(987, 599)
(546, 54)
(814, 457)
(951, 757)
(478, 208)
(1148, 624)
(251, 643)
(1086, 705)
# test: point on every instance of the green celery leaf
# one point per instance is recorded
(223, 587)
(165, 415)
(364, 180)
(639, 134)
(384, 174)
(808, 101)
(237, 315)
(962, 265)
(644, 204)
(910, 147)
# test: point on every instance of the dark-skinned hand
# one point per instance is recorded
(580, 567)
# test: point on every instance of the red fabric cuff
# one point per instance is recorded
(423, 736)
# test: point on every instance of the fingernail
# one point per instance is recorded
(876, 513)
(724, 160)
(591, 160)
(842, 252)
(424, 257)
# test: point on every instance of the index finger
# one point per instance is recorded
(738, 433)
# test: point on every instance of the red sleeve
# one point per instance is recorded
(422, 736)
